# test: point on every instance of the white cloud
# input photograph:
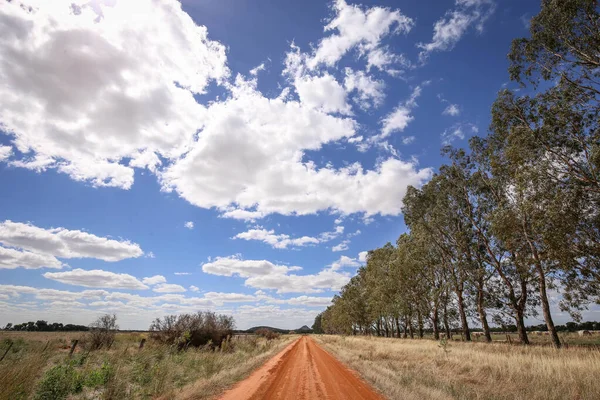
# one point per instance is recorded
(345, 261)
(11, 258)
(153, 280)
(194, 288)
(309, 301)
(280, 241)
(362, 256)
(452, 110)
(369, 92)
(254, 71)
(234, 265)
(182, 273)
(147, 63)
(168, 288)
(341, 247)
(262, 274)
(238, 165)
(5, 152)
(322, 93)
(408, 139)
(283, 241)
(458, 132)
(64, 243)
(220, 298)
(400, 117)
(189, 225)
(448, 30)
(96, 278)
(359, 28)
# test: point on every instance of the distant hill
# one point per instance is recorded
(303, 329)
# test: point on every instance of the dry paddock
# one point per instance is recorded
(427, 369)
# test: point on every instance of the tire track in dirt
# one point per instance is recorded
(302, 371)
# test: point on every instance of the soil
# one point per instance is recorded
(302, 371)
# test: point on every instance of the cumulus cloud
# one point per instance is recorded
(189, 225)
(345, 261)
(262, 274)
(168, 288)
(194, 288)
(400, 117)
(64, 243)
(449, 29)
(153, 280)
(280, 241)
(237, 164)
(137, 62)
(5, 152)
(343, 246)
(11, 259)
(96, 278)
(362, 256)
(369, 91)
(356, 27)
(283, 241)
(245, 155)
(323, 93)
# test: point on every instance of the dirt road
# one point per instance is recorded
(302, 371)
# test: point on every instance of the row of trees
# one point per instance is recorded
(512, 218)
(44, 326)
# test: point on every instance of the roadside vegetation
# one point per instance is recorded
(107, 364)
(425, 369)
(509, 223)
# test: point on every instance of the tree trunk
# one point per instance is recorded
(521, 311)
(434, 321)
(420, 323)
(397, 327)
(546, 307)
(463, 315)
(482, 313)
(521, 327)
(446, 324)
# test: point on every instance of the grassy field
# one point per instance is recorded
(426, 369)
(38, 367)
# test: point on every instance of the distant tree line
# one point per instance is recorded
(512, 218)
(44, 326)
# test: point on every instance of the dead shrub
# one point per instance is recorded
(200, 329)
(267, 333)
(102, 332)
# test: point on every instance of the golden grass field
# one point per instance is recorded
(426, 369)
(38, 367)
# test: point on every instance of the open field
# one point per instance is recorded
(568, 339)
(37, 366)
(426, 369)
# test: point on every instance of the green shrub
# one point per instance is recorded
(59, 382)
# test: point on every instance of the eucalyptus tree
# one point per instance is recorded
(431, 210)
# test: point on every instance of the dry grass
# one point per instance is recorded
(423, 369)
(38, 366)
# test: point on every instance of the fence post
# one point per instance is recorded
(73, 347)
(6, 352)
(142, 342)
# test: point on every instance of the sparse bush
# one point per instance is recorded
(267, 333)
(102, 332)
(59, 382)
(200, 329)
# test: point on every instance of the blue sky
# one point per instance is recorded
(233, 155)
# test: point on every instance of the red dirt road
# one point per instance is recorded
(302, 371)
